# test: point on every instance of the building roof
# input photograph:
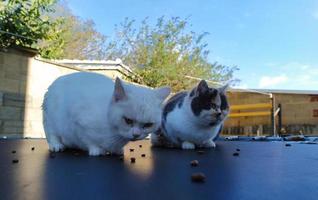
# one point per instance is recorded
(276, 91)
(96, 64)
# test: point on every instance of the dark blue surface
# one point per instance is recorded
(263, 170)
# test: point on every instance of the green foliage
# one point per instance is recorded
(25, 20)
(49, 27)
(166, 53)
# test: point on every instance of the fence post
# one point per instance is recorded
(273, 115)
(279, 118)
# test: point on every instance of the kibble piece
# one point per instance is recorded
(76, 154)
(198, 177)
(132, 160)
(287, 145)
(194, 163)
(238, 149)
(13, 151)
(131, 150)
(15, 161)
(32, 148)
(140, 145)
(236, 154)
(200, 152)
(143, 155)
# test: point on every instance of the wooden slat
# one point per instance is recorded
(251, 106)
(250, 114)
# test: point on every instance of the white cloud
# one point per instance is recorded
(302, 76)
(268, 81)
(306, 81)
(294, 75)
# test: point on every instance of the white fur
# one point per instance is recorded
(80, 110)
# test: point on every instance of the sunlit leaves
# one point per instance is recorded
(165, 53)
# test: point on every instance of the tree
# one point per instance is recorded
(51, 28)
(23, 23)
(166, 54)
(80, 39)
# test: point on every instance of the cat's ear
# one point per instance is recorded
(163, 92)
(202, 87)
(119, 91)
(224, 88)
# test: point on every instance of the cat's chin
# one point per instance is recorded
(135, 139)
(215, 123)
(138, 138)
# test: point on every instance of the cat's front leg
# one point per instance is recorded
(55, 144)
(209, 144)
(187, 145)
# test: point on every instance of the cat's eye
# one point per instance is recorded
(147, 125)
(128, 121)
(213, 106)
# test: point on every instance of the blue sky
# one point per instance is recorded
(274, 43)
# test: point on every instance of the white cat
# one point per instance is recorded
(91, 112)
(193, 119)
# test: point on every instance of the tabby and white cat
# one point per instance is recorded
(91, 112)
(193, 119)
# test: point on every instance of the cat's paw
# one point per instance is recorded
(154, 139)
(95, 151)
(187, 145)
(56, 147)
(209, 144)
